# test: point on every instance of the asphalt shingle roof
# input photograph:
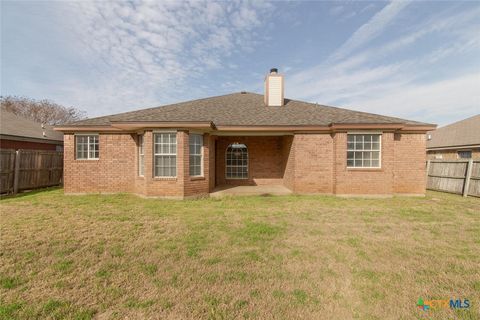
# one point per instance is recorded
(461, 133)
(14, 125)
(247, 109)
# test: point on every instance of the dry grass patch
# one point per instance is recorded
(289, 257)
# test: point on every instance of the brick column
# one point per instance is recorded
(206, 160)
(211, 162)
(142, 183)
(148, 154)
(182, 160)
(68, 159)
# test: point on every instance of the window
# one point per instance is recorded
(86, 147)
(141, 156)
(467, 154)
(196, 156)
(363, 150)
(165, 145)
(237, 161)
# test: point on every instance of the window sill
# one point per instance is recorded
(87, 160)
(164, 178)
(197, 178)
(365, 169)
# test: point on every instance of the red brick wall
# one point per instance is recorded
(27, 145)
(364, 181)
(288, 164)
(140, 182)
(211, 162)
(317, 163)
(164, 187)
(409, 163)
(113, 172)
(313, 163)
(195, 186)
(305, 163)
(265, 161)
(117, 168)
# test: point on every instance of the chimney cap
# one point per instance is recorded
(273, 70)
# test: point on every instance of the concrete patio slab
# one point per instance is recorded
(274, 190)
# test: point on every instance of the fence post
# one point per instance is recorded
(428, 168)
(466, 184)
(16, 172)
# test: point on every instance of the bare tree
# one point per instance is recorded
(43, 111)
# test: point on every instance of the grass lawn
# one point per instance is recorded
(288, 257)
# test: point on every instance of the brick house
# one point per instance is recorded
(191, 148)
(456, 141)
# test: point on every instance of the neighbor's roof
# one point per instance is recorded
(246, 109)
(461, 133)
(16, 126)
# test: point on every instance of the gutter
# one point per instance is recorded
(30, 139)
(128, 126)
(454, 147)
(209, 126)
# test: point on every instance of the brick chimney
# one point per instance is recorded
(274, 89)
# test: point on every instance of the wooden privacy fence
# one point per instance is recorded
(29, 169)
(460, 176)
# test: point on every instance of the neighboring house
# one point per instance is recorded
(190, 148)
(20, 133)
(459, 140)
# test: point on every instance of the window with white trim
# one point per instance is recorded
(141, 156)
(363, 150)
(236, 161)
(86, 147)
(165, 154)
(196, 154)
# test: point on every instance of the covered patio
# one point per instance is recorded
(251, 164)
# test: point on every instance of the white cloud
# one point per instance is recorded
(415, 87)
(441, 101)
(371, 29)
(117, 56)
(147, 52)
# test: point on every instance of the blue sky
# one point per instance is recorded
(417, 60)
